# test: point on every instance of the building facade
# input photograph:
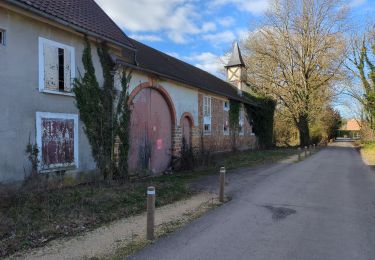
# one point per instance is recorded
(41, 46)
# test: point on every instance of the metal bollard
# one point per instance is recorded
(150, 212)
(222, 184)
(299, 153)
(305, 151)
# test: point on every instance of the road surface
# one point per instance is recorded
(321, 208)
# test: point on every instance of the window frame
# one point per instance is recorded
(206, 118)
(3, 38)
(226, 107)
(39, 117)
(241, 121)
(42, 41)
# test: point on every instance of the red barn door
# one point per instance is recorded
(151, 132)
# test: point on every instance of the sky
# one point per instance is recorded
(201, 32)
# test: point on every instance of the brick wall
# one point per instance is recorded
(217, 141)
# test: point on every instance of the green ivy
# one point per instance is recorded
(234, 114)
(260, 113)
(103, 124)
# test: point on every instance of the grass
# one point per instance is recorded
(368, 152)
(31, 219)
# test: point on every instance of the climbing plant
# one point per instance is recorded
(104, 112)
(234, 117)
(260, 113)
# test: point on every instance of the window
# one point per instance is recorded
(226, 127)
(226, 106)
(241, 121)
(56, 67)
(57, 140)
(207, 114)
(2, 37)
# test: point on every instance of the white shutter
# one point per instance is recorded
(51, 67)
(67, 70)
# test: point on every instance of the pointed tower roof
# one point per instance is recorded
(236, 57)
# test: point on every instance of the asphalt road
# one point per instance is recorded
(320, 208)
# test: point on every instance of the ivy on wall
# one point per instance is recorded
(260, 113)
(234, 118)
(104, 112)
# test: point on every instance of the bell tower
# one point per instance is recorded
(236, 70)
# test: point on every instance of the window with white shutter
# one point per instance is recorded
(56, 67)
(207, 114)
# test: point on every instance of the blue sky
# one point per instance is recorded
(196, 31)
(201, 32)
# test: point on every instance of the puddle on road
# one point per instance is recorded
(279, 213)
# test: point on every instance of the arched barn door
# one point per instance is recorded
(186, 131)
(150, 133)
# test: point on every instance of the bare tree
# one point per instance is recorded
(361, 64)
(297, 55)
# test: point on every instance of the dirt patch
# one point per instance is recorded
(124, 236)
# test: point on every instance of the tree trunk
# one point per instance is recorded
(303, 128)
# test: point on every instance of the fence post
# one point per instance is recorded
(150, 212)
(309, 149)
(299, 153)
(222, 184)
(305, 151)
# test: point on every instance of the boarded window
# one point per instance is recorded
(57, 66)
(57, 140)
(207, 114)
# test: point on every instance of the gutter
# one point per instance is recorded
(65, 23)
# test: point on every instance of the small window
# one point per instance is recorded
(226, 106)
(226, 128)
(2, 37)
(241, 121)
(207, 114)
(56, 67)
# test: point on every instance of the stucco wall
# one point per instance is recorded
(184, 99)
(20, 98)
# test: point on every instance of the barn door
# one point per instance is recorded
(151, 132)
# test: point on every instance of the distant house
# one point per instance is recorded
(353, 125)
(351, 129)
(41, 45)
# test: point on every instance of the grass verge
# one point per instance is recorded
(368, 152)
(32, 219)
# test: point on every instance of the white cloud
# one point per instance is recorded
(209, 62)
(177, 18)
(255, 7)
(227, 21)
(146, 37)
(220, 38)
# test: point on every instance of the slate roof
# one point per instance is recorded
(236, 57)
(84, 14)
(152, 60)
